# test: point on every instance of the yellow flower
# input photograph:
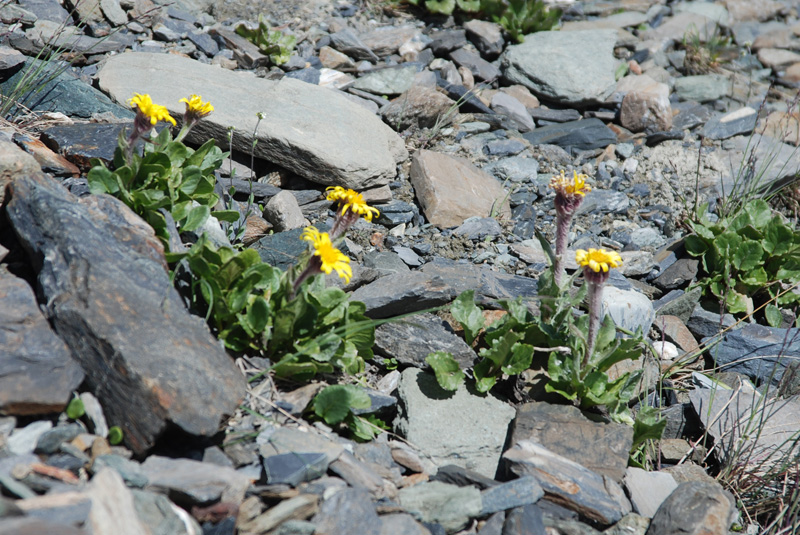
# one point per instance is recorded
(329, 256)
(348, 198)
(196, 107)
(576, 186)
(153, 112)
(598, 259)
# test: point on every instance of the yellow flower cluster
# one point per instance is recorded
(196, 107)
(598, 259)
(153, 112)
(351, 200)
(576, 186)
(331, 258)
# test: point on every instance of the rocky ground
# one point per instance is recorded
(453, 132)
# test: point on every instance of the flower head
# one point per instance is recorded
(149, 111)
(196, 109)
(329, 257)
(351, 200)
(598, 259)
(569, 192)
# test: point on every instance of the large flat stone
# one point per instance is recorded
(309, 130)
(102, 274)
(37, 373)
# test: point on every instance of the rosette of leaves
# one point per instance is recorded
(521, 17)
(275, 44)
(336, 405)
(169, 176)
(446, 7)
(748, 258)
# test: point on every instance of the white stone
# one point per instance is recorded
(628, 308)
(648, 490)
(666, 350)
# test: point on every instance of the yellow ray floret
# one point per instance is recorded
(349, 199)
(331, 258)
(598, 259)
(196, 106)
(153, 112)
(576, 186)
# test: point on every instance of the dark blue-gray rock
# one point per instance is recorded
(504, 147)
(568, 483)
(585, 134)
(401, 524)
(477, 228)
(515, 169)
(63, 93)
(102, 273)
(347, 42)
(46, 10)
(602, 447)
(494, 524)
(741, 121)
(695, 508)
(385, 262)
(204, 42)
(50, 441)
(463, 477)
(479, 67)
(604, 201)
(762, 353)
(655, 138)
(192, 482)
(554, 116)
(526, 520)
(378, 402)
(158, 514)
(466, 99)
(282, 249)
(131, 471)
(444, 41)
(294, 468)
(678, 274)
(348, 511)
(516, 493)
(308, 75)
(690, 115)
(407, 255)
(81, 142)
(37, 372)
(444, 504)
(412, 339)
(395, 213)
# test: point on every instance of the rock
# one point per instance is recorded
(642, 112)
(37, 372)
(14, 162)
(451, 189)
(161, 516)
(390, 81)
(130, 471)
(675, 331)
(486, 36)
(281, 249)
(631, 524)
(347, 42)
(569, 484)
(385, 262)
(524, 520)
(299, 507)
(776, 58)
(401, 524)
(554, 116)
(50, 441)
(104, 269)
(690, 114)
(10, 59)
(24, 440)
(49, 161)
(411, 340)
(290, 440)
(361, 476)
(516, 493)
(79, 143)
(548, 62)
(477, 66)
(603, 447)
(507, 105)
(762, 353)
(741, 121)
(515, 169)
(94, 413)
(475, 425)
(194, 482)
(294, 468)
(348, 511)
(628, 308)
(333, 59)
(676, 27)
(420, 106)
(447, 505)
(283, 212)
(573, 136)
(648, 490)
(694, 508)
(388, 40)
(478, 228)
(678, 275)
(703, 323)
(702, 88)
(294, 134)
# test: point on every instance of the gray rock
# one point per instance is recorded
(412, 339)
(447, 505)
(507, 105)
(46, 9)
(389, 81)
(677, 275)
(24, 440)
(348, 511)
(282, 249)
(575, 135)
(741, 121)
(604, 201)
(446, 40)
(524, 520)
(294, 468)
(284, 213)
(386, 41)
(516, 493)
(301, 506)
(130, 471)
(10, 59)
(559, 66)
(648, 490)
(204, 42)
(407, 255)
(647, 237)
(515, 169)
(347, 42)
(554, 116)
(103, 275)
(37, 373)
(361, 476)
(702, 88)
(602, 447)
(694, 508)
(486, 36)
(193, 481)
(401, 524)
(420, 106)
(690, 114)
(158, 514)
(762, 353)
(477, 228)
(780, 160)
(50, 440)
(475, 425)
(479, 67)
(299, 118)
(631, 524)
(681, 304)
(288, 440)
(385, 262)
(569, 484)
(628, 308)
(94, 412)
(396, 213)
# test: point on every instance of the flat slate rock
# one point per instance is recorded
(37, 372)
(194, 482)
(102, 273)
(81, 142)
(309, 130)
(574, 135)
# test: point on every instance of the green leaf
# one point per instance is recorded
(470, 6)
(468, 315)
(196, 218)
(736, 302)
(448, 374)
(483, 383)
(748, 255)
(759, 211)
(727, 244)
(443, 7)
(101, 180)
(606, 334)
(75, 409)
(773, 315)
(520, 359)
(258, 314)
(115, 435)
(695, 245)
(648, 425)
(228, 216)
(778, 237)
(334, 403)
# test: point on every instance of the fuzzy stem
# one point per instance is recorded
(562, 233)
(595, 291)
